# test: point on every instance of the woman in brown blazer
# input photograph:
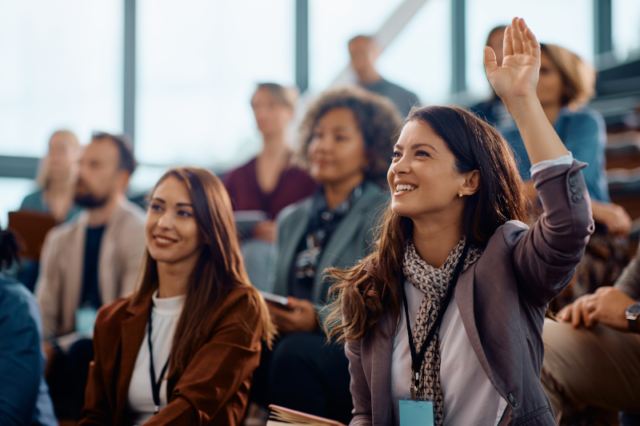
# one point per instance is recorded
(182, 348)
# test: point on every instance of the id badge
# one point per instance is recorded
(85, 320)
(416, 413)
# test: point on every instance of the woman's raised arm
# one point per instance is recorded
(515, 82)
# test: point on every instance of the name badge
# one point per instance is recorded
(416, 413)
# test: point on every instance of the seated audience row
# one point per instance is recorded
(182, 336)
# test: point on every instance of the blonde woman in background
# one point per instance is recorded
(56, 179)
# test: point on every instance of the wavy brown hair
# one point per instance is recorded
(578, 77)
(363, 293)
(377, 117)
(219, 269)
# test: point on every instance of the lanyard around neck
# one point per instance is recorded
(155, 385)
(418, 359)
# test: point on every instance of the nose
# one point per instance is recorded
(165, 221)
(400, 166)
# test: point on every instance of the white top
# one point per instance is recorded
(469, 396)
(165, 315)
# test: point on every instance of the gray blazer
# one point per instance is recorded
(347, 245)
(502, 300)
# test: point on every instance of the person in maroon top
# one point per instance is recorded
(269, 182)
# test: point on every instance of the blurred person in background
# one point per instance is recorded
(347, 137)
(565, 85)
(493, 110)
(271, 181)
(364, 53)
(56, 179)
(182, 349)
(591, 366)
(87, 263)
(24, 396)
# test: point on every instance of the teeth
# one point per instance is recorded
(403, 188)
(164, 240)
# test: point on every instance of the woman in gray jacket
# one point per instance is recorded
(471, 353)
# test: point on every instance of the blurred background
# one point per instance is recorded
(178, 76)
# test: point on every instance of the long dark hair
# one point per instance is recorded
(219, 269)
(363, 293)
(8, 249)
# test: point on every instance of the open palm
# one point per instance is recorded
(518, 75)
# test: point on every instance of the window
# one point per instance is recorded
(548, 19)
(626, 29)
(61, 67)
(332, 23)
(198, 64)
(420, 56)
(13, 191)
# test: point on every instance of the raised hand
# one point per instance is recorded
(518, 75)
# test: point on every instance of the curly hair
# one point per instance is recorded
(377, 117)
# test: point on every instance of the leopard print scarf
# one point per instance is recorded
(434, 283)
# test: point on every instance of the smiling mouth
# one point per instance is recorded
(164, 240)
(404, 188)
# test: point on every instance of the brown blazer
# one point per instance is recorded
(502, 300)
(213, 390)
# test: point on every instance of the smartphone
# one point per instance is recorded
(274, 298)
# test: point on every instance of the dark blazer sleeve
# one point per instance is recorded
(546, 255)
(360, 392)
(220, 369)
(21, 361)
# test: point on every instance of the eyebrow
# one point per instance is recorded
(420, 145)
(178, 204)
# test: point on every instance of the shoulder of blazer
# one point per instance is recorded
(511, 232)
(128, 213)
(295, 210)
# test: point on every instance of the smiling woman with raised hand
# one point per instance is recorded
(450, 305)
(181, 349)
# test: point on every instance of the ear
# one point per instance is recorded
(123, 180)
(471, 183)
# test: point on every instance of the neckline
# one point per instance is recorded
(167, 306)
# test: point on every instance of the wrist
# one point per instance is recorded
(632, 314)
(522, 105)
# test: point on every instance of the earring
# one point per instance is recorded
(460, 195)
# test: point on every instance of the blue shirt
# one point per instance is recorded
(24, 396)
(583, 133)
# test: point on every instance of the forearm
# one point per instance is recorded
(539, 137)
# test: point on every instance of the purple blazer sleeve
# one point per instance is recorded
(546, 255)
(359, 386)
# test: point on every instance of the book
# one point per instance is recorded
(287, 416)
(246, 220)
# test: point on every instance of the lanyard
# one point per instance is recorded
(155, 385)
(418, 359)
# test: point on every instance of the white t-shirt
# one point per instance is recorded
(165, 315)
(469, 396)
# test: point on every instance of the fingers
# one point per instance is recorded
(532, 47)
(518, 43)
(490, 61)
(507, 45)
(577, 313)
(565, 314)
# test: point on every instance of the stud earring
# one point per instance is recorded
(460, 195)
